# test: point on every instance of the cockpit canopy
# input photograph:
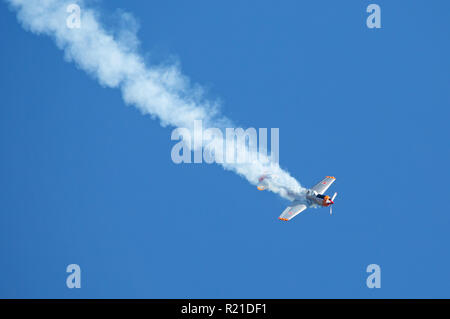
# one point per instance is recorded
(311, 192)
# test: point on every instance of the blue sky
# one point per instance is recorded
(85, 179)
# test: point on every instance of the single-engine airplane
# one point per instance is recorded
(315, 195)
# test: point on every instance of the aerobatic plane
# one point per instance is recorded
(313, 196)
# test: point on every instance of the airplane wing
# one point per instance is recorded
(292, 211)
(324, 184)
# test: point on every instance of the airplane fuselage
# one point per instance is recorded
(314, 198)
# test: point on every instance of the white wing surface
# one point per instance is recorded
(292, 211)
(322, 187)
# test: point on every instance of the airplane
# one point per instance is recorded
(315, 195)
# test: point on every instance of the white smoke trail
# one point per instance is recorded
(161, 92)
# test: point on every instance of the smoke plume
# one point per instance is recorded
(163, 92)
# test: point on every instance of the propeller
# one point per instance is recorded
(334, 196)
(332, 202)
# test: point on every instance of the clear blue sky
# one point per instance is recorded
(86, 180)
